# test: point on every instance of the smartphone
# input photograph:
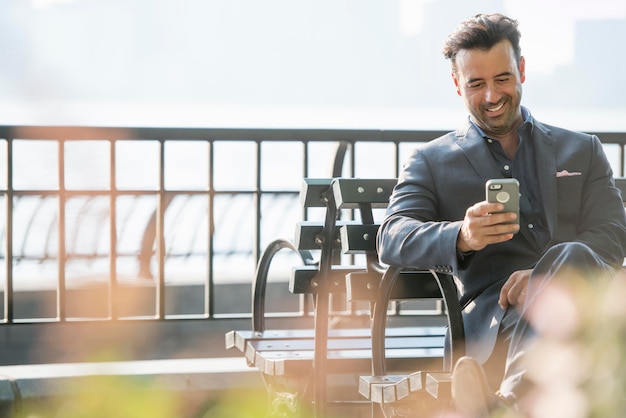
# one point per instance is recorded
(505, 191)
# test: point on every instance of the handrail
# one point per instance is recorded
(346, 151)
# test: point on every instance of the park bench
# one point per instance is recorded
(297, 364)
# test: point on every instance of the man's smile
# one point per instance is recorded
(496, 108)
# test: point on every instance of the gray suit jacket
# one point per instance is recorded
(446, 176)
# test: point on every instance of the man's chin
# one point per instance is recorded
(497, 125)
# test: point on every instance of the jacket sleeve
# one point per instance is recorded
(410, 235)
(602, 224)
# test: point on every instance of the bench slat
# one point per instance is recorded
(358, 238)
(277, 363)
(439, 385)
(349, 193)
(347, 344)
(390, 388)
(308, 233)
(348, 355)
(236, 337)
(302, 278)
(312, 192)
(408, 285)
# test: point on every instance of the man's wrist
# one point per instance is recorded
(461, 245)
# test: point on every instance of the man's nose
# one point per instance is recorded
(492, 94)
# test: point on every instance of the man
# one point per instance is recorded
(571, 215)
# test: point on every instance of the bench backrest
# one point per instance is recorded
(381, 284)
(353, 237)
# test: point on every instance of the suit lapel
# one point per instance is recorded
(545, 156)
(476, 151)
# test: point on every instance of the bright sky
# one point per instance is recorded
(548, 26)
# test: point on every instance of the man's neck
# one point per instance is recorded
(509, 141)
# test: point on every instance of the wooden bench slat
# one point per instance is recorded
(239, 338)
(308, 233)
(350, 192)
(312, 192)
(408, 285)
(302, 278)
(439, 384)
(346, 344)
(277, 363)
(390, 388)
(358, 238)
(347, 355)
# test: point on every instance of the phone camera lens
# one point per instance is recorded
(503, 197)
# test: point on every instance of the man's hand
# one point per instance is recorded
(482, 226)
(514, 290)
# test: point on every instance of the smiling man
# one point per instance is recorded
(490, 83)
(571, 217)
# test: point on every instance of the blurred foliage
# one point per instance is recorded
(578, 364)
(109, 396)
(138, 396)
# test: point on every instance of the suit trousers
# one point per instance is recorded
(505, 367)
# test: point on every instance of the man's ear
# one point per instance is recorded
(456, 83)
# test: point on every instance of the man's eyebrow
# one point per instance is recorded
(474, 80)
(504, 74)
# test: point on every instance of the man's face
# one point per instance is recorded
(491, 85)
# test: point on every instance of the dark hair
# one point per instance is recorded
(482, 31)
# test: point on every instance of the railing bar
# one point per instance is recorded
(160, 235)
(352, 160)
(305, 153)
(305, 174)
(209, 290)
(69, 133)
(9, 307)
(304, 302)
(397, 162)
(257, 204)
(621, 160)
(71, 193)
(282, 316)
(113, 290)
(61, 261)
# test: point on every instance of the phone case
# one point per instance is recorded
(505, 191)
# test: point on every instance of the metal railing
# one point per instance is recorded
(156, 212)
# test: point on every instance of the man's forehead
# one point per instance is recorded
(480, 62)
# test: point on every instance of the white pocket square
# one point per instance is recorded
(565, 173)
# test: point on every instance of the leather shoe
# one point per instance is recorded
(471, 394)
